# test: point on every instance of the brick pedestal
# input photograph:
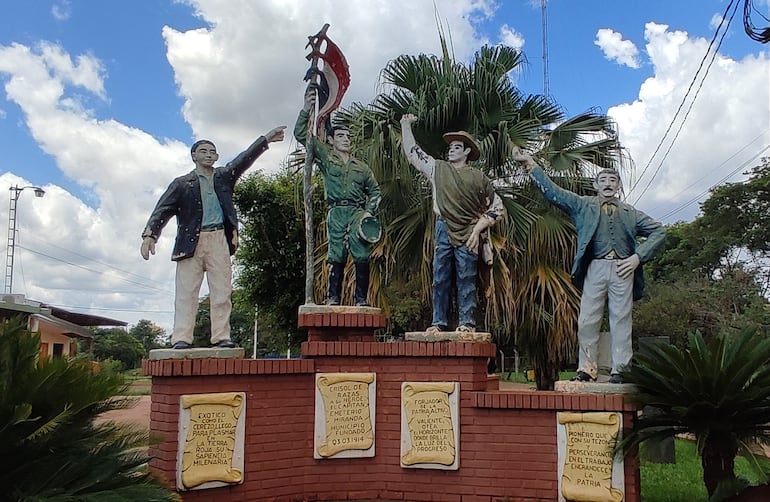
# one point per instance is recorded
(507, 448)
(326, 323)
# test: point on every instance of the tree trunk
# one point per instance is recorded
(718, 465)
(546, 373)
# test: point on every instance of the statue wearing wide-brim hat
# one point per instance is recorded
(466, 139)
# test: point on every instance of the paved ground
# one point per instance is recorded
(138, 415)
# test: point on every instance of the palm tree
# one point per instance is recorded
(50, 446)
(527, 293)
(719, 393)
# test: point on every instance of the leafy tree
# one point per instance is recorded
(733, 231)
(115, 343)
(50, 445)
(271, 257)
(149, 334)
(718, 392)
(692, 303)
(528, 291)
(739, 214)
(202, 329)
(712, 274)
(240, 324)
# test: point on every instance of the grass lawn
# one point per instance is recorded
(138, 384)
(678, 482)
(683, 480)
(521, 376)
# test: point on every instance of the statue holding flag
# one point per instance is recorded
(351, 191)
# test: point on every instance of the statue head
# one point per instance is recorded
(462, 147)
(339, 138)
(204, 153)
(607, 183)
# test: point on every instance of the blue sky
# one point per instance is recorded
(99, 101)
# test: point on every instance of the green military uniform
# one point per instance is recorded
(350, 189)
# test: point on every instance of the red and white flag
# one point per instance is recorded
(333, 78)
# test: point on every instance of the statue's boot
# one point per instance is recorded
(335, 283)
(362, 283)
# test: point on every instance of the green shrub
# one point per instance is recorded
(50, 447)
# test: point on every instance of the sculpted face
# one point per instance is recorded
(457, 152)
(340, 141)
(607, 184)
(205, 155)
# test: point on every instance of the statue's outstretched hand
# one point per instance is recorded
(276, 134)
(523, 158)
(148, 247)
(408, 119)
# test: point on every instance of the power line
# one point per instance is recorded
(80, 307)
(91, 259)
(722, 180)
(684, 100)
(100, 272)
(761, 135)
(754, 33)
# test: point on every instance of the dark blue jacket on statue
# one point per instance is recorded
(183, 200)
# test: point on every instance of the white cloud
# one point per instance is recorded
(716, 20)
(62, 10)
(240, 78)
(238, 81)
(616, 49)
(725, 131)
(511, 37)
(237, 86)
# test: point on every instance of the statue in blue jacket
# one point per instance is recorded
(206, 237)
(607, 262)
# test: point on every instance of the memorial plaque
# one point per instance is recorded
(344, 415)
(430, 426)
(211, 435)
(589, 471)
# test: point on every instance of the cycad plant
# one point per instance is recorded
(527, 293)
(51, 449)
(716, 392)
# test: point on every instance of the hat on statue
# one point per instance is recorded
(369, 229)
(467, 140)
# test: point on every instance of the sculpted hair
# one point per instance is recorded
(199, 143)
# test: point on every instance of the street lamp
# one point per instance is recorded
(15, 191)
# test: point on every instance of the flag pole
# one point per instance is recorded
(314, 43)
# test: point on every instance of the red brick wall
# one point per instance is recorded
(507, 439)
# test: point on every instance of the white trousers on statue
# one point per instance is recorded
(603, 285)
(212, 256)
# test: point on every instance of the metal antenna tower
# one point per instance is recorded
(544, 17)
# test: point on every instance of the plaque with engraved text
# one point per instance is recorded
(345, 410)
(589, 470)
(430, 427)
(211, 434)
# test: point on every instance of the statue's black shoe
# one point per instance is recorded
(582, 376)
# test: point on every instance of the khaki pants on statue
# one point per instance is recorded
(604, 285)
(212, 256)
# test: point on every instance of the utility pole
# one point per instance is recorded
(15, 191)
(256, 329)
